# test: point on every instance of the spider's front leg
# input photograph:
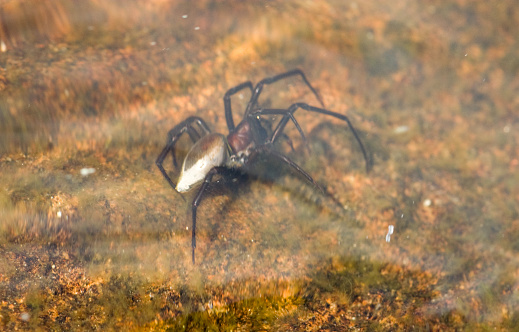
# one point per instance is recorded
(270, 80)
(174, 134)
(227, 103)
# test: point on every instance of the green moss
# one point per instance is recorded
(256, 314)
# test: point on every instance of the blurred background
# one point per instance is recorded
(93, 237)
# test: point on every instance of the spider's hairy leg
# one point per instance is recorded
(291, 110)
(227, 102)
(174, 134)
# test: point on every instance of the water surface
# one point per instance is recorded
(93, 237)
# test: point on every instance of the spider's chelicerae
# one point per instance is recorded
(214, 153)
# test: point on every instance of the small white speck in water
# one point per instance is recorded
(389, 232)
(506, 129)
(427, 202)
(87, 171)
(401, 129)
(184, 16)
(59, 214)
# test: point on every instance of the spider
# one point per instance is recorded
(231, 155)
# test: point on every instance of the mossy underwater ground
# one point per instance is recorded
(432, 90)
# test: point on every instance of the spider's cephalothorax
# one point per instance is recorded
(214, 153)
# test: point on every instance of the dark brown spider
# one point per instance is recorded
(214, 153)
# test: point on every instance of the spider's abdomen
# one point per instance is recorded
(210, 151)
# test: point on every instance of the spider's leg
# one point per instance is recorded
(289, 141)
(198, 199)
(285, 136)
(294, 107)
(259, 87)
(174, 134)
(227, 102)
(287, 115)
(201, 123)
(193, 134)
(267, 149)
